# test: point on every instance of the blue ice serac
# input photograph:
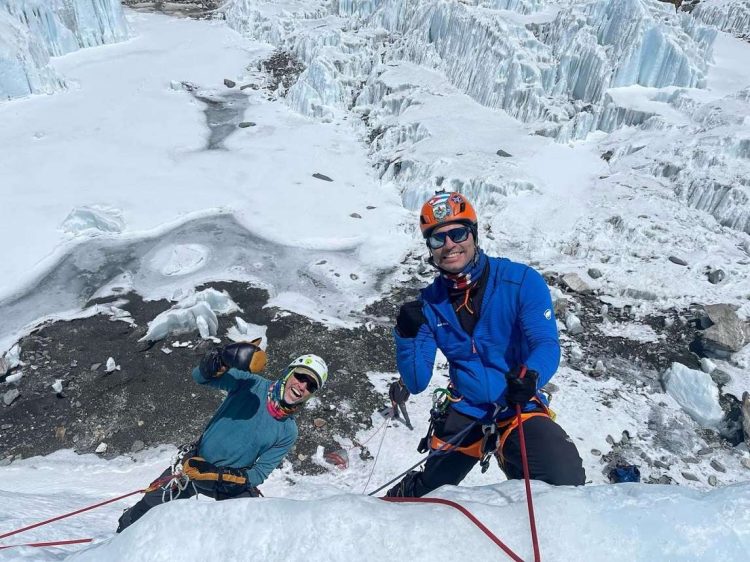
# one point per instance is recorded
(32, 31)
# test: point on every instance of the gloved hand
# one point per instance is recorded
(520, 390)
(397, 392)
(410, 318)
(246, 356)
(224, 479)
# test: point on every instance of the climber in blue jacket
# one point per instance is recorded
(493, 320)
(247, 437)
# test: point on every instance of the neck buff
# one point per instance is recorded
(275, 405)
(464, 280)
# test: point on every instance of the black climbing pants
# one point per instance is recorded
(158, 496)
(552, 456)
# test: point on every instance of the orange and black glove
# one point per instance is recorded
(245, 356)
(222, 479)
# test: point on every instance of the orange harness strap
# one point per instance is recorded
(506, 428)
(475, 449)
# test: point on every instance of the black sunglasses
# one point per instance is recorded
(458, 235)
(312, 384)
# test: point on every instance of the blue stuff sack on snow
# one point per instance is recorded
(624, 473)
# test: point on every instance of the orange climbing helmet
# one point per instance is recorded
(445, 208)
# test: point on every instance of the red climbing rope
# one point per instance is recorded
(35, 525)
(467, 513)
(50, 543)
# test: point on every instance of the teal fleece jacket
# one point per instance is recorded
(242, 433)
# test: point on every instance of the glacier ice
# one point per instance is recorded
(33, 30)
(732, 16)
(197, 311)
(554, 71)
(696, 393)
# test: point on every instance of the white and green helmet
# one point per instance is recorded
(311, 364)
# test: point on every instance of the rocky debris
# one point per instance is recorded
(111, 366)
(319, 422)
(745, 409)
(246, 124)
(137, 446)
(154, 400)
(594, 273)
(4, 367)
(101, 449)
(573, 282)
(678, 261)
(323, 177)
(712, 480)
(10, 396)
(229, 83)
(504, 154)
(726, 332)
(607, 156)
(745, 462)
(716, 276)
(690, 476)
(283, 69)
(717, 466)
(355, 216)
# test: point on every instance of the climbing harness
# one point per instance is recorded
(172, 485)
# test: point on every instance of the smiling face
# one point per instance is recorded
(299, 387)
(453, 257)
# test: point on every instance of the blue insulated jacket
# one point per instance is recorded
(242, 434)
(516, 326)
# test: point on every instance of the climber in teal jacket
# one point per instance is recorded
(493, 321)
(247, 437)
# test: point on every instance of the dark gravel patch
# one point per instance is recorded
(153, 399)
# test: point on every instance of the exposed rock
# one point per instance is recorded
(503, 154)
(229, 83)
(137, 445)
(712, 480)
(323, 177)
(640, 294)
(95, 366)
(356, 216)
(246, 124)
(661, 464)
(707, 366)
(726, 335)
(717, 466)
(599, 368)
(4, 367)
(10, 396)
(745, 462)
(678, 261)
(319, 422)
(745, 409)
(596, 452)
(6, 461)
(574, 283)
(716, 276)
(606, 156)
(101, 448)
(594, 273)
(690, 476)
(60, 433)
(705, 451)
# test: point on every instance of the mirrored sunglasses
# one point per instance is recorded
(458, 235)
(309, 380)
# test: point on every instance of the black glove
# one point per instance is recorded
(222, 479)
(409, 319)
(397, 392)
(520, 390)
(246, 356)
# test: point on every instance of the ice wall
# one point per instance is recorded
(33, 30)
(732, 16)
(551, 69)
